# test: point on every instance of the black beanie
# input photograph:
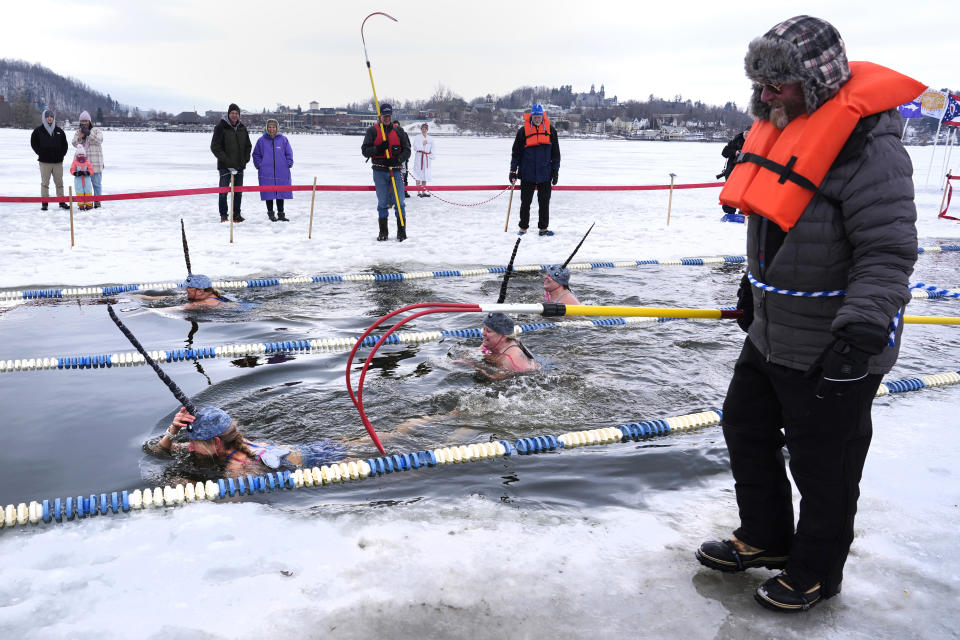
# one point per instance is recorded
(233, 107)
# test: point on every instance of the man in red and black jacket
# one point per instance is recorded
(387, 170)
(536, 160)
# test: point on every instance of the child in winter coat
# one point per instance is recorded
(82, 181)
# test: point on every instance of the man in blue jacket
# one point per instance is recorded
(536, 160)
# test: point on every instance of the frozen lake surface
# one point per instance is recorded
(594, 542)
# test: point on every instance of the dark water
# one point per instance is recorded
(80, 432)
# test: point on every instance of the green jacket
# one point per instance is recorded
(231, 145)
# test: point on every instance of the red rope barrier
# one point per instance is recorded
(949, 196)
(342, 187)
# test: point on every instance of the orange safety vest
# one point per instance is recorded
(392, 136)
(536, 135)
(778, 172)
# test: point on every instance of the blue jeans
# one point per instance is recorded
(381, 180)
(95, 178)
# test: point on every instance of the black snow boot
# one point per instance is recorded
(282, 217)
(270, 215)
(64, 205)
(384, 234)
(96, 205)
(43, 206)
(401, 232)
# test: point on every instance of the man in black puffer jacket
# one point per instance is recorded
(231, 145)
(822, 305)
(50, 144)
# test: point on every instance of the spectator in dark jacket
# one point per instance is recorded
(826, 315)
(231, 145)
(273, 158)
(536, 159)
(49, 142)
(387, 171)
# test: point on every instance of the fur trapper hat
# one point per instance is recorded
(802, 49)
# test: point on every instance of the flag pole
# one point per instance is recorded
(934, 152)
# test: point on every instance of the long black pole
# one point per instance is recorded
(577, 248)
(186, 249)
(174, 389)
(507, 273)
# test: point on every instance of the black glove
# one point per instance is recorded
(513, 176)
(745, 303)
(554, 177)
(394, 161)
(396, 150)
(844, 361)
(382, 147)
(727, 208)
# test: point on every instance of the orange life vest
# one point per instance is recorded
(392, 136)
(779, 172)
(536, 135)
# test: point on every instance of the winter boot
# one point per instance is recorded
(64, 205)
(96, 205)
(401, 232)
(282, 217)
(43, 206)
(270, 215)
(383, 230)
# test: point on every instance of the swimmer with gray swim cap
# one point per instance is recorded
(501, 349)
(556, 285)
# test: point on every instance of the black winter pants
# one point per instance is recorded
(237, 196)
(827, 440)
(543, 190)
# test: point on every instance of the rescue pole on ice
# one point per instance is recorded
(376, 102)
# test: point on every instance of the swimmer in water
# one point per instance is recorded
(200, 292)
(215, 438)
(502, 354)
(556, 285)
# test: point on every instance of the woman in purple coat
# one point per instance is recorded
(273, 158)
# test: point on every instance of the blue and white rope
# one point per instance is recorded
(921, 290)
(115, 502)
(111, 290)
(326, 345)
(892, 328)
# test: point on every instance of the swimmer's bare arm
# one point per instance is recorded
(166, 444)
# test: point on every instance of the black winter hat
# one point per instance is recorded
(803, 49)
(233, 107)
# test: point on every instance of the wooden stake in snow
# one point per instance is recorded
(313, 199)
(670, 201)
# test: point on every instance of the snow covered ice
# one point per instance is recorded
(471, 566)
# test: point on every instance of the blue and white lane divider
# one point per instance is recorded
(326, 345)
(922, 290)
(112, 290)
(80, 507)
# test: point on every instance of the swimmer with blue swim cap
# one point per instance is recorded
(214, 437)
(200, 292)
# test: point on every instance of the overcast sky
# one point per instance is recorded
(176, 55)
